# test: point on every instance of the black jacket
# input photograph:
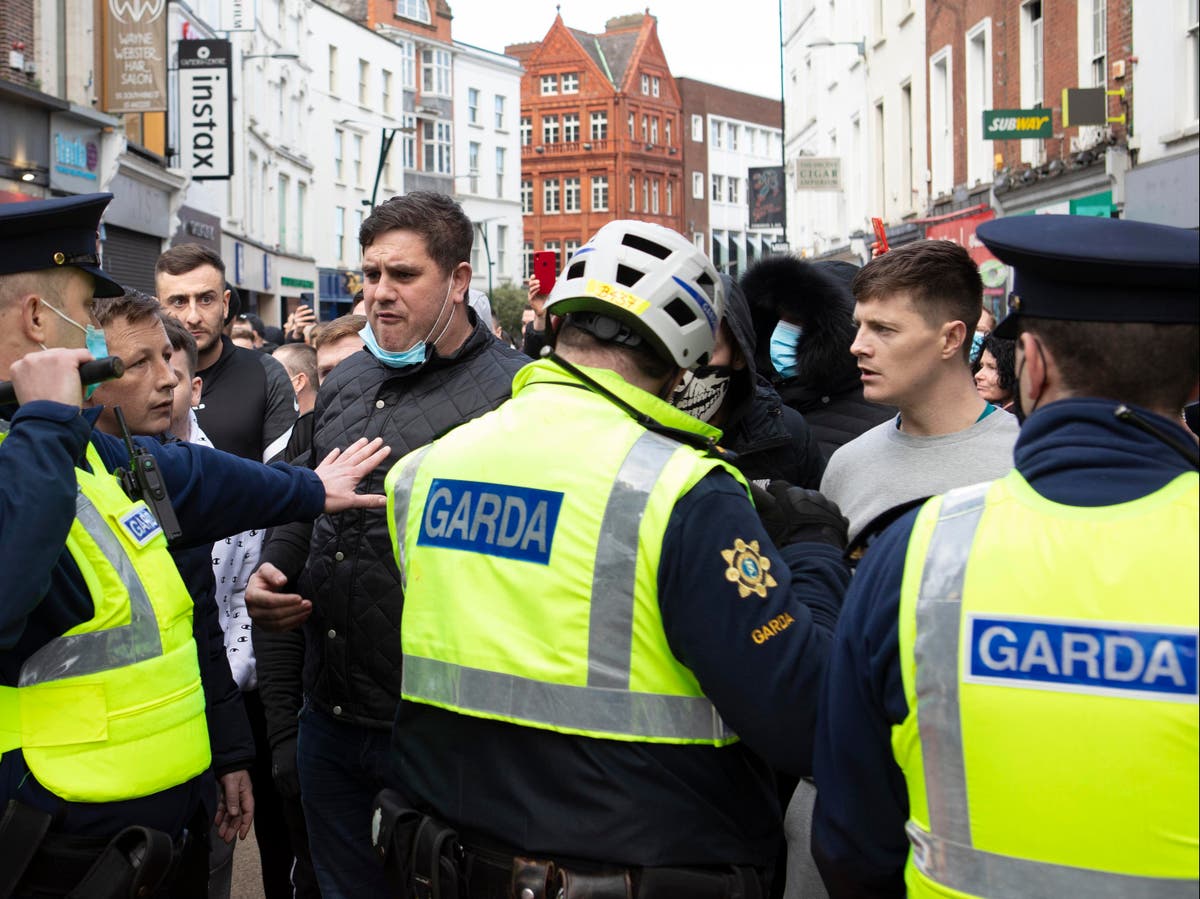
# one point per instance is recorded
(247, 404)
(352, 661)
(771, 440)
(827, 387)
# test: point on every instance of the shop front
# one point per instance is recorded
(337, 289)
(137, 223)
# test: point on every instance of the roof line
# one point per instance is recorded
(607, 71)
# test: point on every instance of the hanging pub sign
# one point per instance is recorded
(205, 100)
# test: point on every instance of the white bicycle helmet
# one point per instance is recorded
(650, 279)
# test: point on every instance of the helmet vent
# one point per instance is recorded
(680, 311)
(657, 250)
(628, 276)
(577, 270)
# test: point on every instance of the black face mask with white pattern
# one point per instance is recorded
(702, 391)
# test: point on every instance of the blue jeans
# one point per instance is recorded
(342, 766)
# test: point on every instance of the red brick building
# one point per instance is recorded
(1021, 54)
(600, 133)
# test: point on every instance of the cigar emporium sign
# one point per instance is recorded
(135, 55)
(205, 101)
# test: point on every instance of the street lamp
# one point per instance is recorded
(860, 46)
(385, 144)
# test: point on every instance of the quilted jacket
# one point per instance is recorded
(352, 664)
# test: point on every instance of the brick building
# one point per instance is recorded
(726, 133)
(1021, 54)
(600, 133)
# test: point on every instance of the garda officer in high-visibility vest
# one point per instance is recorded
(1011, 706)
(104, 751)
(605, 653)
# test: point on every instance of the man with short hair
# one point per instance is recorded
(247, 406)
(96, 633)
(1010, 708)
(426, 370)
(916, 308)
(300, 360)
(335, 341)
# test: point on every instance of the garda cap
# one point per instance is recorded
(1080, 268)
(48, 234)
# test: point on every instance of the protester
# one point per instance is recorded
(533, 337)
(915, 307)
(804, 326)
(242, 334)
(335, 341)
(996, 377)
(1011, 702)
(608, 751)
(427, 370)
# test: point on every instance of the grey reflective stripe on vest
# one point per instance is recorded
(403, 491)
(610, 631)
(946, 855)
(606, 703)
(104, 650)
(980, 873)
(586, 709)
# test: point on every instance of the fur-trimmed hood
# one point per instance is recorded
(816, 294)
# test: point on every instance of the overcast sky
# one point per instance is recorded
(740, 51)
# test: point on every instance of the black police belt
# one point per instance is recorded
(427, 859)
(136, 862)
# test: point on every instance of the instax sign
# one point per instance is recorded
(205, 101)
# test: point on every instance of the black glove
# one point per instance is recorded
(792, 514)
(283, 768)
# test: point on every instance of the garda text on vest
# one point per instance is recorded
(494, 519)
(1082, 657)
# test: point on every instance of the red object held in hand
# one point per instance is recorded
(545, 269)
(881, 245)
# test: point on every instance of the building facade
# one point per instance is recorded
(600, 134)
(487, 161)
(726, 134)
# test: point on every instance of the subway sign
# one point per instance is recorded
(1012, 124)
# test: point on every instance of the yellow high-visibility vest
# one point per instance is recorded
(113, 709)
(1048, 652)
(529, 543)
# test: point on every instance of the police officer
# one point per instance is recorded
(103, 741)
(604, 651)
(1011, 707)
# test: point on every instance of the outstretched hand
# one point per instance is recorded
(269, 606)
(341, 472)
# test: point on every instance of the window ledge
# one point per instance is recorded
(1184, 133)
(906, 18)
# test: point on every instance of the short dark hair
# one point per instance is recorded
(1151, 365)
(134, 306)
(437, 218)
(342, 326)
(643, 356)
(182, 342)
(1005, 354)
(188, 257)
(254, 322)
(297, 358)
(940, 278)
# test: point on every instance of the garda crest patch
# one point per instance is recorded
(748, 568)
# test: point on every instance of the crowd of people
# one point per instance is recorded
(816, 582)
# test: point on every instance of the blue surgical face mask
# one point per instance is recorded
(415, 354)
(785, 341)
(977, 345)
(93, 338)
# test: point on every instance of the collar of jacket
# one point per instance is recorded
(547, 371)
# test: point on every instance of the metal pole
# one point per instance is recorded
(782, 127)
(487, 251)
(385, 144)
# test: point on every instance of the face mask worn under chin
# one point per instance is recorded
(702, 391)
(415, 354)
(93, 339)
(785, 349)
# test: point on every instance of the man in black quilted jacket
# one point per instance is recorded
(428, 365)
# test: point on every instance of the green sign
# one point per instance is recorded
(296, 282)
(1011, 124)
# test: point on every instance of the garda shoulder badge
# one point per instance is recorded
(748, 568)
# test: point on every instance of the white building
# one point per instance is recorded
(362, 103)
(487, 160)
(1166, 113)
(855, 96)
(735, 146)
